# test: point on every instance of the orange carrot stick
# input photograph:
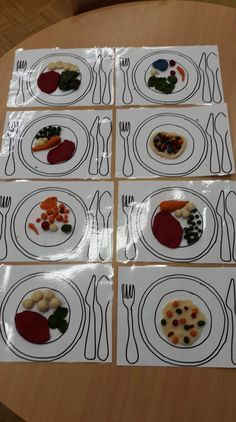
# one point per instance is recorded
(33, 227)
(52, 142)
(181, 72)
(172, 205)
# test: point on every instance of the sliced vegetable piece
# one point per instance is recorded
(52, 142)
(61, 153)
(48, 81)
(66, 228)
(62, 325)
(50, 202)
(181, 72)
(34, 228)
(32, 326)
(172, 205)
(160, 64)
(167, 230)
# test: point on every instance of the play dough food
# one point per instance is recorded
(54, 215)
(62, 75)
(168, 145)
(48, 82)
(167, 230)
(49, 138)
(177, 221)
(182, 322)
(42, 305)
(37, 295)
(43, 299)
(63, 152)
(32, 326)
(54, 303)
(164, 75)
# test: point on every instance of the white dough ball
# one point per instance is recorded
(153, 72)
(178, 213)
(55, 303)
(66, 66)
(51, 66)
(42, 305)
(48, 294)
(37, 295)
(185, 213)
(190, 206)
(28, 303)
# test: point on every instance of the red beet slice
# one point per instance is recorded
(32, 326)
(48, 81)
(167, 230)
(62, 152)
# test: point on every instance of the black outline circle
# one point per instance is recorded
(155, 351)
(58, 244)
(59, 293)
(34, 153)
(186, 245)
(47, 103)
(181, 347)
(56, 174)
(26, 253)
(158, 254)
(75, 340)
(173, 92)
(166, 101)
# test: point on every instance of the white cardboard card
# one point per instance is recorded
(198, 81)
(85, 291)
(143, 292)
(89, 131)
(149, 232)
(85, 206)
(96, 76)
(207, 148)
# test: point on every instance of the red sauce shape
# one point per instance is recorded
(32, 326)
(167, 230)
(48, 81)
(62, 152)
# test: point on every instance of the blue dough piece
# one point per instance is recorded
(160, 64)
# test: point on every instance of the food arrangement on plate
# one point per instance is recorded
(63, 75)
(41, 312)
(48, 138)
(182, 322)
(168, 145)
(166, 226)
(54, 215)
(165, 74)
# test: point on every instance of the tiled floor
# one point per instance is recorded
(19, 21)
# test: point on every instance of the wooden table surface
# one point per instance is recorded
(106, 393)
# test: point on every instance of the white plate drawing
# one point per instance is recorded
(181, 286)
(36, 162)
(182, 91)
(59, 97)
(59, 345)
(49, 245)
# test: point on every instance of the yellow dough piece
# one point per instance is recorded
(28, 303)
(48, 294)
(182, 322)
(37, 295)
(55, 303)
(42, 305)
